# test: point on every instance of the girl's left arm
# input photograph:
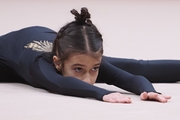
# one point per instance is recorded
(133, 83)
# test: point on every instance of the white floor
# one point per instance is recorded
(22, 102)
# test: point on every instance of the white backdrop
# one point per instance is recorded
(139, 29)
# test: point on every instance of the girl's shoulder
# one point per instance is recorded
(37, 29)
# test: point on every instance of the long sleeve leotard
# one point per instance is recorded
(31, 66)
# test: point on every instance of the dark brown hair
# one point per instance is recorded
(79, 36)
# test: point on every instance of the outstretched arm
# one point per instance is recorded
(122, 79)
(133, 83)
(46, 75)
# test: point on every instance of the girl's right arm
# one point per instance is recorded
(46, 75)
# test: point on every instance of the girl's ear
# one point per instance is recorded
(57, 62)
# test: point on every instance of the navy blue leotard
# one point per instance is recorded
(19, 63)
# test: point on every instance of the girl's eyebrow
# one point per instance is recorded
(97, 64)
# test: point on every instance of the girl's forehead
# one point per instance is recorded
(85, 58)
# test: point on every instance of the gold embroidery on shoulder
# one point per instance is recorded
(40, 46)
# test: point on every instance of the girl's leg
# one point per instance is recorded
(156, 71)
(8, 75)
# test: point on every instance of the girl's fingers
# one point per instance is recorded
(154, 96)
(116, 98)
(167, 97)
(144, 96)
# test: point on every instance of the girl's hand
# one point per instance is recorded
(154, 96)
(116, 98)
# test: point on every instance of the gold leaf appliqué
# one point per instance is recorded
(40, 46)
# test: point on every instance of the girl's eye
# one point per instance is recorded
(78, 69)
(95, 69)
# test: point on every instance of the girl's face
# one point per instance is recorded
(83, 67)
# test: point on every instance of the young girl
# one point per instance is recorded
(71, 61)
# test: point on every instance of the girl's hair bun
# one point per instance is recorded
(83, 17)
